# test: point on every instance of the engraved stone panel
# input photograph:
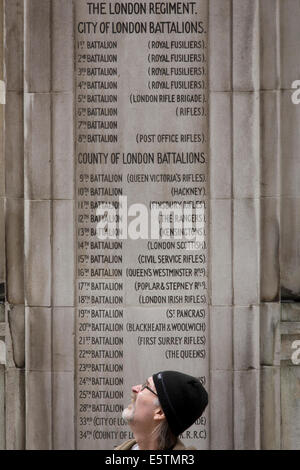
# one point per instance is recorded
(141, 144)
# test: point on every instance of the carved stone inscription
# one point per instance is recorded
(141, 156)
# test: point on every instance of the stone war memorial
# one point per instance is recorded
(149, 217)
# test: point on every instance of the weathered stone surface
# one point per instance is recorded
(246, 410)
(2, 312)
(62, 45)
(290, 312)
(221, 409)
(63, 253)
(63, 146)
(63, 411)
(290, 167)
(16, 325)
(220, 145)
(290, 343)
(246, 337)
(221, 252)
(14, 12)
(15, 409)
(38, 339)
(246, 252)
(63, 339)
(2, 407)
(253, 152)
(220, 45)
(38, 410)
(270, 408)
(246, 150)
(15, 250)
(290, 417)
(270, 143)
(270, 334)
(2, 154)
(290, 255)
(9, 352)
(2, 240)
(37, 146)
(2, 10)
(14, 145)
(269, 43)
(38, 253)
(269, 253)
(289, 42)
(245, 42)
(221, 345)
(37, 76)
(2, 351)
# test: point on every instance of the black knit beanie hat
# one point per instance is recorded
(182, 397)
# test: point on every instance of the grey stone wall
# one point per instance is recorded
(2, 244)
(39, 224)
(254, 225)
(254, 189)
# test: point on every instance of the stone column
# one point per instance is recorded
(14, 226)
(39, 223)
(235, 226)
(270, 224)
(48, 193)
(290, 224)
